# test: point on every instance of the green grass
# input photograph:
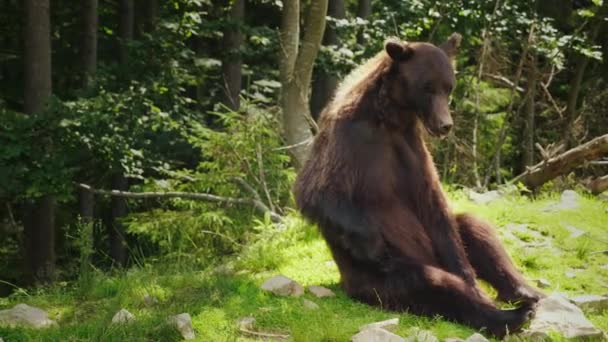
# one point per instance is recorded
(217, 297)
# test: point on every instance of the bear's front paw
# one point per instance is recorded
(522, 293)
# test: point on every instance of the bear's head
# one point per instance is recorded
(422, 79)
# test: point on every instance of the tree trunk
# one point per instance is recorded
(89, 42)
(39, 215)
(296, 72)
(529, 122)
(118, 245)
(118, 250)
(86, 205)
(325, 84)
(37, 56)
(563, 163)
(232, 63)
(569, 130)
(125, 28)
(502, 134)
(39, 231)
(151, 11)
(364, 10)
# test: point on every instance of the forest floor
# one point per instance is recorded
(562, 246)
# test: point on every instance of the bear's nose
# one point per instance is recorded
(445, 128)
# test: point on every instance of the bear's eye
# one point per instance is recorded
(428, 88)
(449, 88)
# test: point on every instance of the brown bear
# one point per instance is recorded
(371, 187)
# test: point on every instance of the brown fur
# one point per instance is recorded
(371, 186)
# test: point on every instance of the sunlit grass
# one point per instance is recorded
(217, 297)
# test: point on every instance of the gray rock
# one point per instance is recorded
(484, 198)
(543, 283)
(376, 335)
(150, 300)
(25, 315)
(310, 305)
(1, 340)
(282, 286)
(557, 313)
(421, 336)
(246, 323)
(183, 324)
(570, 274)
(476, 337)
(574, 232)
(519, 229)
(604, 267)
(453, 339)
(320, 291)
(389, 324)
(591, 302)
(568, 201)
(123, 316)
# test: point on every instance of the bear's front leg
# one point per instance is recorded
(355, 230)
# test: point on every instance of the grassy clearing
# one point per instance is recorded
(216, 298)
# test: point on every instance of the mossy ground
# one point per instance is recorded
(216, 299)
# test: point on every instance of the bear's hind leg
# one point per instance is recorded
(430, 291)
(491, 261)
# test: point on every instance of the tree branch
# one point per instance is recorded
(546, 170)
(505, 81)
(258, 205)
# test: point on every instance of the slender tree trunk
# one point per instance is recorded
(125, 27)
(39, 215)
(201, 92)
(232, 63)
(569, 130)
(89, 41)
(324, 84)
(529, 122)
(296, 72)
(484, 49)
(118, 249)
(145, 19)
(151, 11)
(364, 11)
(86, 205)
(502, 134)
(118, 245)
(39, 231)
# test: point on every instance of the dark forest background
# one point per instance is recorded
(200, 112)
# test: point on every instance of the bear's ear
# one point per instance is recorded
(398, 50)
(450, 47)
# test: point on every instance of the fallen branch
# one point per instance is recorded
(257, 204)
(289, 147)
(504, 81)
(547, 170)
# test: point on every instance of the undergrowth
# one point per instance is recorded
(219, 294)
